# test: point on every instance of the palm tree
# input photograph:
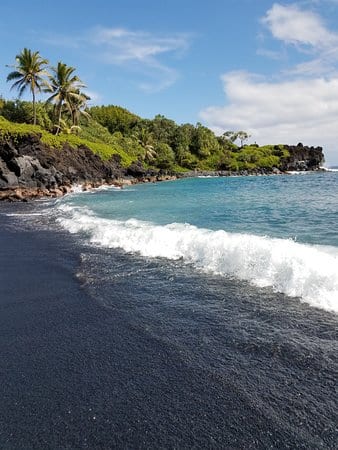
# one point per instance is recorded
(146, 139)
(65, 89)
(68, 129)
(29, 72)
(77, 107)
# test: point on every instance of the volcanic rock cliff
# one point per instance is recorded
(302, 158)
(29, 168)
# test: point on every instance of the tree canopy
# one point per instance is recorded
(65, 89)
(158, 142)
(30, 68)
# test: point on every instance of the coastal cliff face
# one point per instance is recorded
(29, 168)
(302, 158)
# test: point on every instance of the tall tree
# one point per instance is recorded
(232, 136)
(204, 141)
(65, 89)
(77, 107)
(243, 136)
(146, 140)
(30, 68)
(116, 118)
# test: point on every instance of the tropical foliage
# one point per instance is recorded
(30, 68)
(14, 131)
(65, 87)
(159, 142)
(115, 118)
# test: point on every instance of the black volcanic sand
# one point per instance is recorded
(75, 374)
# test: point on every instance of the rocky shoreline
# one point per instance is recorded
(30, 169)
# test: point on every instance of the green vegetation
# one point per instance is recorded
(114, 118)
(250, 157)
(108, 130)
(66, 95)
(15, 131)
(29, 72)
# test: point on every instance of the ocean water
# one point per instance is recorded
(275, 232)
(213, 314)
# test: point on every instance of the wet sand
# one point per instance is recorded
(74, 374)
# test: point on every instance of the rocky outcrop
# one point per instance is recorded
(229, 173)
(34, 164)
(29, 168)
(302, 158)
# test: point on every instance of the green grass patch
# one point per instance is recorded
(251, 157)
(14, 131)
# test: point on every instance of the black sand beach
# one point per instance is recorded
(76, 374)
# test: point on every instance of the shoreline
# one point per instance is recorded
(30, 169)
(24, 194)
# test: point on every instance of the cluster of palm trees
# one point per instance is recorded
(31, 72)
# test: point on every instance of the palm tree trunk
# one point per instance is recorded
(73, 114)
(34, 107)
(59, 118)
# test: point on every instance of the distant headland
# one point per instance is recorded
(30, 167)
(46, 147)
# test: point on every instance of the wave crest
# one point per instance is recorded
(297, 270)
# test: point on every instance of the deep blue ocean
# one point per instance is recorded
(213, 312)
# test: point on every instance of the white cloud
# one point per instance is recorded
(279, 112)
(306, 31)
(141, 52)
(295, 26)
(301, 103)
(140, 46)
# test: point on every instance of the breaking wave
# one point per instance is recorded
(297, 270)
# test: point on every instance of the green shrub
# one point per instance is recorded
(165, 156)
(114, 118)
(22, 112)
(9, 130)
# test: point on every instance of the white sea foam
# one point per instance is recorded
(329, 169)
(76, 189)
(106, 187)
(24, 214)
(298, 270)
(296, 172)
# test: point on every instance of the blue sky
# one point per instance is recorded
(269, 68)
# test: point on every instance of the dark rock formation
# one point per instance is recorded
(29, 168)
(302, 158)
(136, 170)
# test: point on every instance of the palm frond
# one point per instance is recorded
(14, 75)
(18, 84)
(22, 90)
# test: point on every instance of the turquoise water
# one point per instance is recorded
(300, 207)
(273, 231)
